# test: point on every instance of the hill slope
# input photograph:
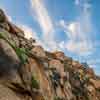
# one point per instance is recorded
(28, 72)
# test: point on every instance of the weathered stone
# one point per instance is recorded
(16, 30)
(23, 43)
(37, 96)
(8, 94)
(76, 64)
(59, 55)
(8, 58)
(96, 83)
(76, 83)
(8, 51)
(7, 35)
(5, 26)
(58, 66)
(68, 91)
(2, 16)
(60, 93)
(32, 40)
(15, 40)
(29, 44)
(39, 51)
(91, 93)
(90, 72)
(35, 69)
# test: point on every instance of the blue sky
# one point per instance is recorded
(72, 26)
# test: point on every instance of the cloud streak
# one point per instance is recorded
(77, 2)
(42, 15)
(78, 31)
(28, 31)
(46, 24)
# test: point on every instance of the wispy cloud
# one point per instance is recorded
(9, 18)
(42, 15)
(94, 61)
(81, 47)
(78, 31)
(77, 2)
(45, 22)
(28, 31)
(79, 41)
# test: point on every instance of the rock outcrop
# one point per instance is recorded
(28, 72)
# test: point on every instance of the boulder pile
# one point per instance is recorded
(28, 72)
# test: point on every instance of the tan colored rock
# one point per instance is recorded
(39, 51)
(7, 35)
(96, 83)
(9, 61)
(58, 66)
(98, 95)
(90, 72)
(5, 26)
(38, 97)
(76, 64)
(59, 55)
(2, 16)
(68, 60)
(8, 50)
(8, 94)
(91, 93)
(60, 93)
(15, 30)
(68, 91)
(90, 88)
(34, 68)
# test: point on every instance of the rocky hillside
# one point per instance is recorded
(28, 72)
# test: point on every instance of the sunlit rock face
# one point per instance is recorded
(28, 72)
(39, 51)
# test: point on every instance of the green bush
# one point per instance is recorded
(2, 35)
(22, 55)
(35, 83)
(57, 98)
(21, 52)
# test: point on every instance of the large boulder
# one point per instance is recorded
(5, 26)
(2, 16)
(7, 94)
(76, 64)
(96, 83)
(35, 69)
(39, 51)
(91, 93)
(59, 55)
(8, 58)
(16, 30)
(56, 64)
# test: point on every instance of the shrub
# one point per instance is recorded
(22, 55)
(35, 83)
(2, 35)
(57, 98)
(21, 52)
